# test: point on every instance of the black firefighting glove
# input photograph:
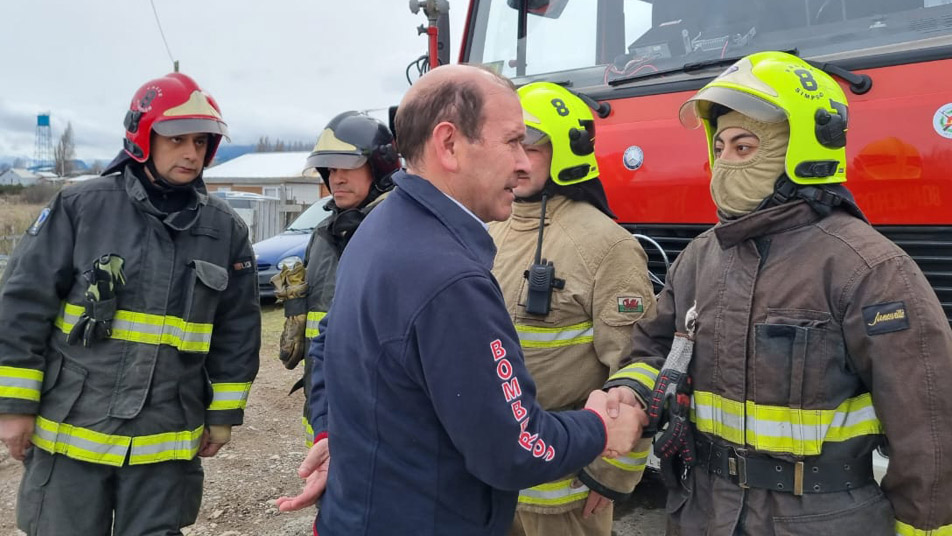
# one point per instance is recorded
(675, 446)
(104, 280)
(670, 382)
(290, 286)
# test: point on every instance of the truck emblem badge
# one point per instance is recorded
(942, 121)
(634, 157)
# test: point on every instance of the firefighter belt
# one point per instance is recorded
(766, 472)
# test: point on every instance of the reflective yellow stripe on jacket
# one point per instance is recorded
(22, 383)
(554, 493)
(800, 432)
(313, 319)
(147, 328)
(308, 432)
(640, 372)
(633, 461)
(538, 337)
(95, 447)
(229, 395)
(903, 529)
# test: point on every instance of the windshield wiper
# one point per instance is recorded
(295, 229)
(688, 68)
(859, 83)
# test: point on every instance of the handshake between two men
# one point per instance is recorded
(623, 416)
(621, 412)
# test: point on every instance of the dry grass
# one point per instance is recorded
(14, 221)
(272, 322)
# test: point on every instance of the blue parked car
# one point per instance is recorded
(288, 247)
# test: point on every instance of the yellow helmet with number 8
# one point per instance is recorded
(554, 113)
(773, 87)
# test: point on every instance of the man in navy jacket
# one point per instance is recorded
(432, 415)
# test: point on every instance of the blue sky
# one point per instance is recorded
(281, 68)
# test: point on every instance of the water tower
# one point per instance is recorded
(43, 151)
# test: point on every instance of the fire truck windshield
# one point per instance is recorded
(619, 42)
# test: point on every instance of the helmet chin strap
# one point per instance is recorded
(164, 184)
(821, 199)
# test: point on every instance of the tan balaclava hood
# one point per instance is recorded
(740, 187)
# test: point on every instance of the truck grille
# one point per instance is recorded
(672, 239)
(929, 246)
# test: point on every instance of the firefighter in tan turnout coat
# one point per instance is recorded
(574, 322)
(815, 339)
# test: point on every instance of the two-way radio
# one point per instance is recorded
(541, 276)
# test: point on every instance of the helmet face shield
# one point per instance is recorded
(349, 141)
(179, 127)
(698, 108)
(335, 160)
(535, 136)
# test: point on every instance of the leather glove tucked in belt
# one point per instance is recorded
(293, 342)
(290, 286)
(290, 283)
(105, 279)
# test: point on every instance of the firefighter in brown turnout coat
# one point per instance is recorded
(808, 339)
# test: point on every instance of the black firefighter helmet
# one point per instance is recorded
(349, 141)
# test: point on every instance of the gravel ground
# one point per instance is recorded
(260, 464)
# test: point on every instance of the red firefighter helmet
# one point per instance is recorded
(171, 106)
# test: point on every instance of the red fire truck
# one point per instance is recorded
(643, 58)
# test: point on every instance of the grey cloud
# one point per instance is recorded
(281, 69)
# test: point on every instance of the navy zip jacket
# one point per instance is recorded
(432, 418)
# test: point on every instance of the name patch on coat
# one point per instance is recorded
(243, 266)
(885, 317)
(631, 304)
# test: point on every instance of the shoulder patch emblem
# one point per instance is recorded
(631, 304)
(40, 220)
(243, 265)
(885, 318)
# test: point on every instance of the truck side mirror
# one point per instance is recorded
(550, 9)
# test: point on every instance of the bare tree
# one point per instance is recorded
(65, 152)
(19, 163)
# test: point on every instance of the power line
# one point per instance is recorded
(162, 33)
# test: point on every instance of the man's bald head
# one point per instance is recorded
(452, 93)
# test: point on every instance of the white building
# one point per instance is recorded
(18, 176)
(269, 174)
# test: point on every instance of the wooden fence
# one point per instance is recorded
(8, 242)
(267, 217)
